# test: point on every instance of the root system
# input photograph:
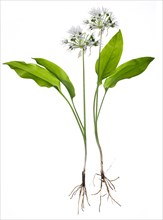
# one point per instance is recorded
(81, 189)
(107, 186)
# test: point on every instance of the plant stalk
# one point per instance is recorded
(84, 111)
(77, 114)
(101, 104)
(74, 112)
(96, 112)
(78, 120)
(82, 187)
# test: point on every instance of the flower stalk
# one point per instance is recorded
(82, 187)
(96, 106)
(84, 110)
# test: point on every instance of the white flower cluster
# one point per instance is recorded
(79, 39)
(101, 19)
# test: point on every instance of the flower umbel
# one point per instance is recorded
(101, 19)
(80, 40)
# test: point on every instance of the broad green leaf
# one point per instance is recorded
(59, 73)
(109, 57)
(128, 70)
(32, 71)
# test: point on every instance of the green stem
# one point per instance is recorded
(77, 114)
(95, 106)
(96, 129)
(84, 110)
(99, 74)
(101, 104)
(73, 108)
(96, 101)
(78, 122)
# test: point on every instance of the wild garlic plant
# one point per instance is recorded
(48, 74)
(81, 40)
(108, 74)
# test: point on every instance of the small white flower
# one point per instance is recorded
(86, 21)
(75, 30)
(106, 11)
(80, 40)
(79, 54)
(95, 12)
(65, 41)
(101, 19)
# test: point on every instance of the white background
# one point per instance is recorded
(42, 148)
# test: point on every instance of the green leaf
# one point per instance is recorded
(59, 73)
(109, 57)
(128, 70)
(32, 71)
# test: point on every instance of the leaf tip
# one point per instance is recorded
(35, 58)
(150, 59)
(6, 63)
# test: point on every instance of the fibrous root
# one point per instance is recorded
(82, 193)
(108, 184)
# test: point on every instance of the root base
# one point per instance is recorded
(105, 182)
